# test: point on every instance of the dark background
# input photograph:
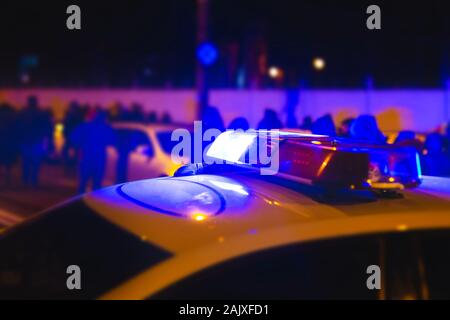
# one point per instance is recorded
(152, 43)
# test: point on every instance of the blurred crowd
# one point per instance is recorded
(83, 122)
(27, 137)
(433, 147)
(25, 134)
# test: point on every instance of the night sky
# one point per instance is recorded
(152, 43)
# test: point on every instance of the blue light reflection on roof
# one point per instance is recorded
(181, 197)
(230, 186)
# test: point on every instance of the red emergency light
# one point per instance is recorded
(321, 160)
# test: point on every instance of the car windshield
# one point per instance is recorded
(35, 257)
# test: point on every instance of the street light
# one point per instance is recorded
(318, 63)
(275, 72)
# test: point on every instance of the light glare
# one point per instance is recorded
(318, 63)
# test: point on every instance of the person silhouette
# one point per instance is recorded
(212, 119)
(239, 123)
(365, 128)
(34, 139)
(434, 161)
(270, 120)
(307, 123)
(91, 138)
(9, 150)
(324, 126)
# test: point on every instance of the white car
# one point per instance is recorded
(148, 147)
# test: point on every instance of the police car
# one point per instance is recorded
(147, 148)
(225, 231)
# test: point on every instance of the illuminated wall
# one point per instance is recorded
(420, 110)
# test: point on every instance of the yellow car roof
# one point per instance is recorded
(270, 215)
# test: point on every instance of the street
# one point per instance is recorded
(18, 202)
